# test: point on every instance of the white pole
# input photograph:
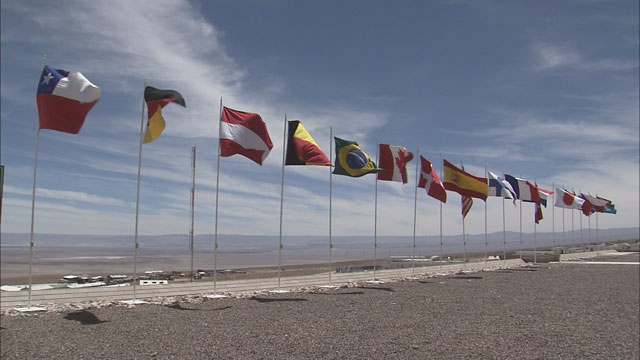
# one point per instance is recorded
(192, 203)
(33, 209)
(553, 215)
(486, 241)
(135, 237)
(520, 228)
(573, 231)
(215, 235)
(375, 218)
(504, 237)
(464, 244)
(597, 239)
(284, 144)
(415, 211)
(589, 233)
(535, 241)
(564, 242)
(441, 177)
(581, 239)
(330, 200)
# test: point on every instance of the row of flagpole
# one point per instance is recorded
(136, 244)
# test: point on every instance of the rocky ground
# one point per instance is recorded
(546, 311)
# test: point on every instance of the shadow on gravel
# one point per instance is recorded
(504, 271)
(467, 277)
(178, 307)
(524, 269)
(84, 317)
(338, 293)
(268, 300)
(377, 288)
(425, 282)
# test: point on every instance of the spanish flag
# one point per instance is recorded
(156, 99)
(464, 183)
(351, 160)
(302, 149)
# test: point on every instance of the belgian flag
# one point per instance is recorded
(302, 149)
(156, 99)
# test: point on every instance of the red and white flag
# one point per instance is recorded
(430, 182)
(393, 160)
(467, 202)
(597, 203)
(245, 134)
(567, 200)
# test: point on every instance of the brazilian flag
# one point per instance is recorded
(351, 160)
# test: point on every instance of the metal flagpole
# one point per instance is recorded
(415, 211)
(284, 144)
(464, 244)
(192, 203)
(535, 241)
(581, 239)
(33, 201)
(553, 215)
(520, 228)
(33, 208)
(441, 177)
(330, 200)
(375, 218)
(215, 235)
(564, 242)
(589, 233)
(486, 175)
(135, 237)
(597, 239)
(504, 237)
(573, 231)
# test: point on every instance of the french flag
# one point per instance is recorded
(64, 99)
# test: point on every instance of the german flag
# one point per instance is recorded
(302, 149)
(463, 183)
(156, 99)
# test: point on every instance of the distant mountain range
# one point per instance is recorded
(258, 243)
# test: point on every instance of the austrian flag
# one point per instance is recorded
(393, 160)
(245, 134)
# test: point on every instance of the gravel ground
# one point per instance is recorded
(567, 311)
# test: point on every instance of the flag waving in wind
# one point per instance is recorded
(463, 183)
(302, 149)
(393, 161)
(467, 202)
(351, 160)
(64, 99)
(429, 181)
(500, 187)
(567, 200)
(245, 134)
(157, 99)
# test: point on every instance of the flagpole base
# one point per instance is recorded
(279, 291)
(215, 296)
(133, 302)
(329, 286)
(29, 309)
(374, 282)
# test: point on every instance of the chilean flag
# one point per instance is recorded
(64, 98)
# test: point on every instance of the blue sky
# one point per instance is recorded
(546, 90)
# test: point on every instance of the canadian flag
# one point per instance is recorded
(245, 134)
(393, 160)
